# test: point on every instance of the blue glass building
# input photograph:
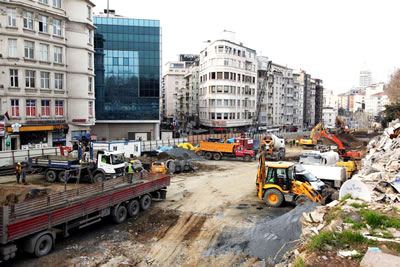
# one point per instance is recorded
(127, 68)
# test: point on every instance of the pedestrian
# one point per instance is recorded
(18, 171)
(131, 171)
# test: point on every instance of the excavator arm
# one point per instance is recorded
(333, 139)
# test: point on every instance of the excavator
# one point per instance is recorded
(312, 140)
(342, 126)
(276, 184)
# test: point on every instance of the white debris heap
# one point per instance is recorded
(381, 166)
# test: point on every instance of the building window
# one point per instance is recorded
(45, 108)
(28, 20)
(225, 116)
(12, 17)
(14, 107)
(12, 48)
(43, 24)
(90, 84)
(13, 78)
(59, 108)
(44, 52)
(57, 27)
(90, 34)
(59, 81)
(116, 62)
(90, 64)
(30, 78)
(219, 102)
(30, 108)
(58, 54)
(226, 102)
(89, 12)
(219, 116)
(43, 1)
(57, 3)
(29, 49)
(44, 80)
(91, 108)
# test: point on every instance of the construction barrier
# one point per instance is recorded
(10, 158)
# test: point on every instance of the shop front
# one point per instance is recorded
(39, 136)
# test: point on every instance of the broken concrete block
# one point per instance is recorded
(332, 204)
(347, 253)
(316, 216)
(378, 259)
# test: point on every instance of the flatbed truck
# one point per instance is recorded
(34, 224)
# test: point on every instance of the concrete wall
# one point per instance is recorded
(119, 131)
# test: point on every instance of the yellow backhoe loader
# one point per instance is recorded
(276, 184)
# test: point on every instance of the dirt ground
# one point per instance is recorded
(180, 231)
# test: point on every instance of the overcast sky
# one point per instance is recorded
(332, 40)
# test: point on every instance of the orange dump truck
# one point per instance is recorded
(211, 150)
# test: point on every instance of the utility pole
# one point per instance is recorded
(108, 8)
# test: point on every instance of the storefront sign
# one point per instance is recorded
(15, 128)
(78, 120)
(218, 123)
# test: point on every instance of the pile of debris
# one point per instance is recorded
(346, 232)
(381, 166)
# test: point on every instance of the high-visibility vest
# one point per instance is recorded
(130, 168)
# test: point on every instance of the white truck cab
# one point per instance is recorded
(112, 164)
(302, 175)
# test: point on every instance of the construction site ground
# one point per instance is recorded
(204, 211)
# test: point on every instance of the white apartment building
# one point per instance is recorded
(343, 101)
(298, 100)
(330, 99)
(173, 81)
(46, 61)
(329, 117)
(192, 91)
(228, 81)
(365, 78)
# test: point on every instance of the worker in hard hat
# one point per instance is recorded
(131, 171)
(20, 170)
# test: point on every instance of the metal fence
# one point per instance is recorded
(9, 158)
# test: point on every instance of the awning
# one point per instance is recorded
(40, 128)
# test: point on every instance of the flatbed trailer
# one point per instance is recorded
(33, 225)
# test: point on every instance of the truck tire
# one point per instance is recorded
(133, 207)
(98, 178)
(208, 155)
(120, 214)
(61, 177)
(43, 245)
(273, 198)
(51, 176)
(301, 200)
(247, 158)
(145, 202)
(217, 156)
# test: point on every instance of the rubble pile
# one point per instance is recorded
(381, 166)
(339, 216)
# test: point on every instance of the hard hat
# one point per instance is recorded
(132, 161)
(19, 163)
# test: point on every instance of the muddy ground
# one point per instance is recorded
(184, 230)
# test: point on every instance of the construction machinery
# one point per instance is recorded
(276, 184)
(273, 147)
(342, 126)
(216, 151)
(342, 151)
(312, 140)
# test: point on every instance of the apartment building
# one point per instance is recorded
(298, 101)
(191, 95)
(228, 81)
(47, 66)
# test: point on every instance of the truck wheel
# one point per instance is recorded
(301, 200)
(61, 176)
(145, 202)
(247, 158)
(51, 176)
(208, 155)
(133, 207)
(43, 246)
(120, 214)
(273, 198)
(98, 178)
(217, 156)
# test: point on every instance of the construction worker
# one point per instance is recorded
(131, 171)
(297, 142)
(19, 169)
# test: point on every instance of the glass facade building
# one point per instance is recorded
(127, 67)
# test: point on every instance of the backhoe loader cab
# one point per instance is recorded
(276, 184)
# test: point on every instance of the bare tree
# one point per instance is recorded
(393, 88)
